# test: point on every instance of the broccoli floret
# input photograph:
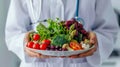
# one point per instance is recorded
(59, 40)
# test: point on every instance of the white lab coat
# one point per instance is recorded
(97, 14)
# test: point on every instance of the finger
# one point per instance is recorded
(46, 56)
(32, 53)
(27, 38)
(73, 56)
(52, 56)
(92, 42)
(63, 56)
(85, 55)
(93, 38)
(88, 53)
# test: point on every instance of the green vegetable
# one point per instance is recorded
(79, 38)
(56, 27)
(71, 32)
(31, 36)
(59, 40)
(43, 31)
(57, 32)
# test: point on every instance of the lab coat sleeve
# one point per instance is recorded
(16, 27)
(105, 27)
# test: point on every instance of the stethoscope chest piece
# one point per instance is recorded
(77, 18)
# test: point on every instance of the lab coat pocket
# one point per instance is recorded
(84, 64)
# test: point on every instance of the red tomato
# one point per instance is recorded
(43, 46)
(36, 37)
(30, 44)
(46, 41)
(36, 46)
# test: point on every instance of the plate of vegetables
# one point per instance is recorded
(59, 38)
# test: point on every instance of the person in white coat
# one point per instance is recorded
(99, 19)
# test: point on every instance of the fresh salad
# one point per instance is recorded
(59, 36)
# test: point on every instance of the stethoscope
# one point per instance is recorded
(76, 17)
(79, 19)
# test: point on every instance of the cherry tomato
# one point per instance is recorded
(43, 46)
(46, 41)
(36, 46)
(75, 46)
(30, 44)
(36, 37)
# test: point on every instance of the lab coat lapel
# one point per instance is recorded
(56, 9)
(34, 8)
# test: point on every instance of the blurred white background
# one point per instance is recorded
(9, 59)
